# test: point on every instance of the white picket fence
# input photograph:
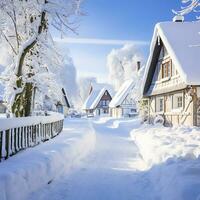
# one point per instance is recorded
(17, 134)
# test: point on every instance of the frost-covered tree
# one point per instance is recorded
(68, 80)
(25, 29)
(122, 64)
(188, 7)
(84, 87)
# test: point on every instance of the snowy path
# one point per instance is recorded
(109, 173)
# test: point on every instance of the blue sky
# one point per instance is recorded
(121, 21)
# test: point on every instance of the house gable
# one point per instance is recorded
(128, 101)
(163, 76)
(105, 99)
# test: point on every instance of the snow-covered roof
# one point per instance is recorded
(122, 93)
(95, 96)
(182, 41)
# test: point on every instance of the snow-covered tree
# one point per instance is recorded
(188, 7)
(84, 86)
(68, 80)
(122, 64)
(25, 27)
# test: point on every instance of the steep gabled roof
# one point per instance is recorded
(122, 93)
(182, 41)
(95, 96)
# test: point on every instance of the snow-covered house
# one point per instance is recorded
(97, 103)
(63, 106)
(123, 104)
(172, 76)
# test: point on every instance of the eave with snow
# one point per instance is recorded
(97, 102)
(122, 104)
(171, 81)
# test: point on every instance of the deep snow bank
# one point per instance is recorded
(172, 158)
(158, 144)
(36, 167)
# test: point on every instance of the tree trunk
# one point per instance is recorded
(23, 100)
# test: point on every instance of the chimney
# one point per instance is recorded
(178, 18)
(138, 65)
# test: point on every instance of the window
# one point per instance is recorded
(166, 69)
(159, 104)
(104, 102)
(133, 110)
(177, 101)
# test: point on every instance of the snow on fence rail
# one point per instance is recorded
(20, 133)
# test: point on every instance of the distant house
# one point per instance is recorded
(123, 104)
(98, 100)
(63, 106)
(172, 77)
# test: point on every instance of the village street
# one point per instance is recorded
(106, 159)
(107, 173)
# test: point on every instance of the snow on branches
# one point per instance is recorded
(122, 64)
(25, 31)
(189, 6)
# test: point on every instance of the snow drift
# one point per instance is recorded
(157, 144)
(172, 160)
(34, 168)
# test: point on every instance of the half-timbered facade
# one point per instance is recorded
(98, 100)
(123, 104)
(172, 81)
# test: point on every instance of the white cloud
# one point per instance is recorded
(98, 41)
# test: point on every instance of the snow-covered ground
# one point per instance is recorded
(107, 159)
(172, 160)
(110, 172)
(34, 168)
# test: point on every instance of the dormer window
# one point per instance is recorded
(166, 69)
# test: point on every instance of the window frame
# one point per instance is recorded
(166, 69)
(177, 101)
(160, 107)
